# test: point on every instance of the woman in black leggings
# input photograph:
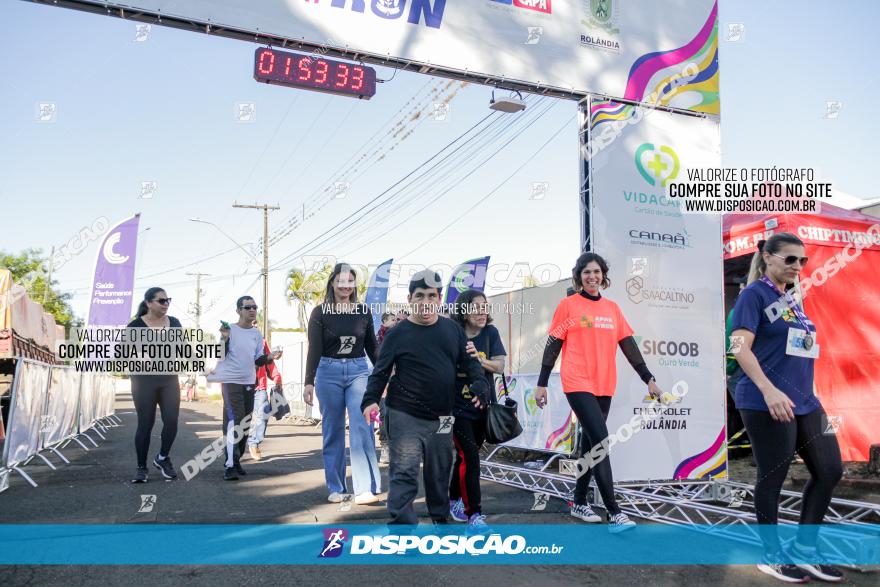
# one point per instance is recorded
(151, 390)
(781, 413)
(587, 329)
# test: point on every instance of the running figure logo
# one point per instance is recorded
(346, 345)
(445, 424)
(334, 540)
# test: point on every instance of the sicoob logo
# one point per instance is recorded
(334, 540)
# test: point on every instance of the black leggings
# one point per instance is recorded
(591, 412)
(148, 391)
(774, 444)
(468, 436)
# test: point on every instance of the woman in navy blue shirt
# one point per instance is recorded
(782, 415)
(469, 429)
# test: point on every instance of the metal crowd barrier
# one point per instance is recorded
(50, 407)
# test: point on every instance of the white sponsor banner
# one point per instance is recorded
(667, 277)
(59, 422)
(622, 48)
(26, 412)
(551, 429)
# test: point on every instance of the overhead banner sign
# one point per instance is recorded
(629, 49)
(114, 276)
(667, 277)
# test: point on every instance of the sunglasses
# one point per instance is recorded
(792, 259)
(163, 301)
(254, 307)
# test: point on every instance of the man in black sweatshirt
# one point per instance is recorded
(425, 353)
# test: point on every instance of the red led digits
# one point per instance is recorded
(341, 76)
(305, 74)
(309, 72)
(321, 72)
(266, 62)
(358, 78)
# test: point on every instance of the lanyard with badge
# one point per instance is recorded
(797, 345)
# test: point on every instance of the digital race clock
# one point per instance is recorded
(310, 72)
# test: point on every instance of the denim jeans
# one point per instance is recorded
(340, 384)
(260, 418)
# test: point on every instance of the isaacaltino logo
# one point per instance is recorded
(639, 291)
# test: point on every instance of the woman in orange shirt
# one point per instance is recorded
(587, 329)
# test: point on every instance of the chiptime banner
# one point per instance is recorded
(667, 277)
(620, 48)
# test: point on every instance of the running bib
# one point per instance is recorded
(796, 347)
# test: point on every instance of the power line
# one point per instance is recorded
(455, 181)
(416, 169)
(453, 157)
(484, 198)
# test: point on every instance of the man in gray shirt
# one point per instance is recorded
(237, 373)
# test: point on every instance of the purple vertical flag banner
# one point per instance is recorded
(113, 284)
(377, 291)
(469, 275)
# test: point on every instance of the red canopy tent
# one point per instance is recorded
(843, 302)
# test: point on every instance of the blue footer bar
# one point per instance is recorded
(179, 544)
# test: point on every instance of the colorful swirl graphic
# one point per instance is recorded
(563, 437)
(711, 463)
(656, 78)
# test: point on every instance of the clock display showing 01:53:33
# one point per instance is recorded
(314, 73)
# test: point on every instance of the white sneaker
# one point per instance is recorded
(365, 497)
(619, 523)
(585, 512)
(335, 497)
(384, 455)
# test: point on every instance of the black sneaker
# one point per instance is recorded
(140, 476)
(828, 573)
(165, 467)
(240, 469)
(231, 474)
(787, 573)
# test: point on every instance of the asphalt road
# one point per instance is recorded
(286, 487)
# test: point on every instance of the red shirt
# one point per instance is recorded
(274, 373)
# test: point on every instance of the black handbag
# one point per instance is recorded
(279, 402)
(502, 425)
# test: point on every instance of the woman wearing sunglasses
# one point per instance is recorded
(148, 391)
(778, 347)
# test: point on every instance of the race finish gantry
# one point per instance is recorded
(646, 81)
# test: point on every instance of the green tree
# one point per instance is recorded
(29, 270)
(306, 290)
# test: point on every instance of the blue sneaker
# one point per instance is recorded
(477, 524)
(456, 510)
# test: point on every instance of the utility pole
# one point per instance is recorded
(265, 208)
(198, 309)
(49, 277)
